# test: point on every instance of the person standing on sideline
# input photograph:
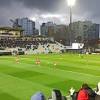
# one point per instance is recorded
(97, 97)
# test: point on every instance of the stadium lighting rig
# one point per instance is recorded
(71, 3)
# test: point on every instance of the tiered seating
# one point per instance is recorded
(32, 45)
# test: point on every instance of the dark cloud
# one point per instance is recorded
(88, 6)
(45, 5)
(5, 3)
(84, 9)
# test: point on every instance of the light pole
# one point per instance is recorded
(71, 3)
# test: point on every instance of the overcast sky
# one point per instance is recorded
(48, 10)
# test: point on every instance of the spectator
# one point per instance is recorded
(38, 96)
(98, 89)
(83, 94)
(72, 90)
(56, 95)
(86, 92)
(91, 93)
(74, 96)
(97, 97)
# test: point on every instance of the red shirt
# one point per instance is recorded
(83, 95)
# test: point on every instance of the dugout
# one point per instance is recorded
(2, 53)
(79, 51)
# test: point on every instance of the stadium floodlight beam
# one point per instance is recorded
(71, 3)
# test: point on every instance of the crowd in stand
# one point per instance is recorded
(30, 45)
(85, 93)
(22, 42)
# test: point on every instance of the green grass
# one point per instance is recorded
(19, 81)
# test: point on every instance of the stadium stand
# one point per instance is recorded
(31, 45)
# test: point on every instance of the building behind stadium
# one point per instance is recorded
(27, 25)
(9, 32)
(82, 32)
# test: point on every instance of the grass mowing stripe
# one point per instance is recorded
(76, 72)
(53, 79)
(60, 73)
(93, 69)
(74, 67)
(85, 65)
(70, 69)
(20, 88)
(7, 96)
(68, 63)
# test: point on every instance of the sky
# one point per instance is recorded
(48, 10)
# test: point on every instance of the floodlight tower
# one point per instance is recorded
(71, 3)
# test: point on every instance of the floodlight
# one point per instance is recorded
(71, 2)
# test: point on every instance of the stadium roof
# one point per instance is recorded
(10, 28)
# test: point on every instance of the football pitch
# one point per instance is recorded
(19, 80)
